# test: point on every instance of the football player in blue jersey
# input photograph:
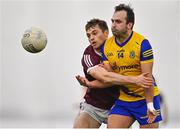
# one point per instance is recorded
(129, 53)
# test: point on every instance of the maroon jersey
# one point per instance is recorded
(101, 98)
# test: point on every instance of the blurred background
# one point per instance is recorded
(40, 90)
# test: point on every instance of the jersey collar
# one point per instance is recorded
(125, 42)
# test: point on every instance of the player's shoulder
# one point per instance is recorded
(109, 41)
(136, 34)
(138, 37)
(88, 50)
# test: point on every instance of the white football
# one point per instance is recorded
(34, 40)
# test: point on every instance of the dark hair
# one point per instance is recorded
(128, 9)
(93, 22)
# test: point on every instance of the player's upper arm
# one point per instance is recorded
(146, 54)
(98, 72)
(92, 69)
(87, 62)
(146, 57)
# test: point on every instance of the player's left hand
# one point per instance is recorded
(152, 114)
(82, 80)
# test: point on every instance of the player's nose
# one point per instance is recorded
(91, 38)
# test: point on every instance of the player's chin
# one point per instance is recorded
(115, 33)
(95, 46)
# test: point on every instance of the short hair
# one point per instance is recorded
(128, 9)
(93, 22)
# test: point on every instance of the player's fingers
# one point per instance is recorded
(151, 119)
(151, 116)
(77, 76)
(148, 79)
(144, 86)
(80, 80)
(148, 84)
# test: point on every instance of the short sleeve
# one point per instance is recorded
(146, 52)
(86, 62)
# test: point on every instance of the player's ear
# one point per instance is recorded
(130, 25)
(106, 33)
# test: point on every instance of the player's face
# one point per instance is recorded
(119, 24)
(96, 36)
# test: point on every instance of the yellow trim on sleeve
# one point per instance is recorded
(147, 61)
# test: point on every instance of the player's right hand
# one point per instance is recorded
(151, 116)
(151, 112)
(82, 80)
(144, 81)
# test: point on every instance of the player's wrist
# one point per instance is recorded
(135, 80)
(150, 106)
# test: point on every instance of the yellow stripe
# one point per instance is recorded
(147, 61)
(150, 54)
(147, 51)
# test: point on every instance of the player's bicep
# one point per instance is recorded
(147, 57)
(147, 68)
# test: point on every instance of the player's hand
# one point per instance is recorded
(152, 114)
(82, 80)
(144, 81)
(106, 67)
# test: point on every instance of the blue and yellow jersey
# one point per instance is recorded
(126, 59)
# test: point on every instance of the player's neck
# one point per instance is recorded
(97, 51)
(121, 39)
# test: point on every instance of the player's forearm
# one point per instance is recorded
(117, 79)
(112, 78)
(149, 94)
(98, 73)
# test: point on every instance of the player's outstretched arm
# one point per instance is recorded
(92, 84)
(140, 80)
(111, 78)
(108, 79)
